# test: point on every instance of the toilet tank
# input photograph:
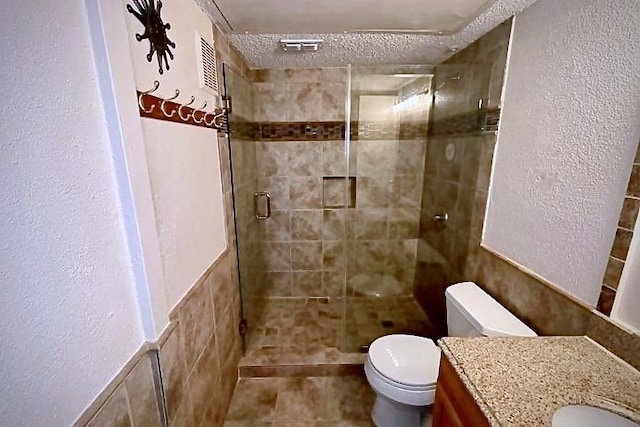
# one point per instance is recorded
(471, 312)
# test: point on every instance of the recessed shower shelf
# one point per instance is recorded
(333, 196)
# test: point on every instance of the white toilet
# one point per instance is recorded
(403, 369)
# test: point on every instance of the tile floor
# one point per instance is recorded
(301, 401)
(302, 368)
(370, 318)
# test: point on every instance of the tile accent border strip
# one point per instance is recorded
(472, 123)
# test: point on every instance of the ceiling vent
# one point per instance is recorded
(207, 70)
(300, 45)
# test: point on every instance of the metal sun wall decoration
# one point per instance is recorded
(155, 30)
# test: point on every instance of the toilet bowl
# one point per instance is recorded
(403, 369)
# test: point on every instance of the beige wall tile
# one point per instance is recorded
(621, 342)
(306, 255)
(277, 284)
(621, 244)
(305, 192)
(227, 336)
(306, 224)
(203, 380)
(114, 413)
(307, 283)
(277, 256)
(629, 213)
(195, 318)
(142, 394)
(605, 300)
(634, 182)
(184, 414)
(613, 272)
(278, 226)
(174, 375)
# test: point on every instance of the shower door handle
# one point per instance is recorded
(256, 204)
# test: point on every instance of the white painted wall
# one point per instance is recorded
(68, 315)
(568, 133)
(115, 72)
(187, 194)
(182, 160)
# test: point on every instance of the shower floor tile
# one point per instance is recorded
(308, 331)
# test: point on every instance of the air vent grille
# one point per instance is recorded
(207, 70)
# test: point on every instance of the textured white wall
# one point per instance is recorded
(187, 194)
(183, 160)
(569, 128)
(115, 71)
(68, 316)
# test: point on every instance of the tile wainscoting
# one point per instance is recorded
(198, 357)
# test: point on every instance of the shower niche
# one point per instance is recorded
(333, 192)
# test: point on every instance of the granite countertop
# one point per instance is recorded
(523, 381)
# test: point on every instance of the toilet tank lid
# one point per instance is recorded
(486, 314)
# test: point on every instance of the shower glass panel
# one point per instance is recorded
(288, 165)
(248, 202)
(389, 117)
(342, 178)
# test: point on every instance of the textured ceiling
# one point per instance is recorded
(337, 16)
(340, 49)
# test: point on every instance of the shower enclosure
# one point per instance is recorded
(328, 173)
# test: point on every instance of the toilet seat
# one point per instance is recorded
(404, 369)
(402, 386)
(410, 361)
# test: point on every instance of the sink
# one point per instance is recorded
(588, 416)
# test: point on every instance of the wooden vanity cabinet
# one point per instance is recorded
(454, 406)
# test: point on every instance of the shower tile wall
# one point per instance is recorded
(389, 164)
(314, 94)
(301, 240)
(453, 251)
(467, 99)
(245, 184)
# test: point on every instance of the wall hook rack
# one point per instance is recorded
(154, 107)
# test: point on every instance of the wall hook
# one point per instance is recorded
(156, 85)
(214, 122)
(188, 116)
(162, 105)
(203, 114)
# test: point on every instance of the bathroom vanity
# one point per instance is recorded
(454, 405)
(524, 381)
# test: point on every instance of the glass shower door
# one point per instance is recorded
(389, 115)
(248, 203)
